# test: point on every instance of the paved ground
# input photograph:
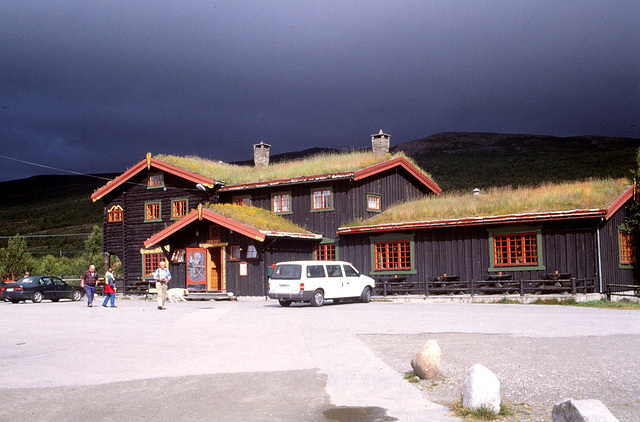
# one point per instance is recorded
(248, 361)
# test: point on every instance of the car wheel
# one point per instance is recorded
(366, 295)
(318, 298)
(76, 295)
(55, 300)
(36, 297)
(284, 302)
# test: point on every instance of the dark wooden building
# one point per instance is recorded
(155, 197)
(588, 245)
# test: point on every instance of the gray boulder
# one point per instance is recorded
(426, 363)
(481, 388)
(571, 410)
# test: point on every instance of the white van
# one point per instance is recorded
(315, 281)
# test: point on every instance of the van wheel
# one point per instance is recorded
(318, 298)
(284, 302)
(365, 297)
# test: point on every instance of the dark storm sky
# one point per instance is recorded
(91, 86)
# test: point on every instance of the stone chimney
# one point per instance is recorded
(261, 154)
(380, 143)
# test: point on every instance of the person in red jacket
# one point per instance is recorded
(109, 288)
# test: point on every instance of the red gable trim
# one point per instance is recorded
(476, 221)
(209, 216)
(127, 175)
(398, 162)
(627, 195)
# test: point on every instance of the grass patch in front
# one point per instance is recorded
(507, 301)
(601, 303)
(411, 377)
(481, 414)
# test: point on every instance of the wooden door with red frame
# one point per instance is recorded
(214, 266)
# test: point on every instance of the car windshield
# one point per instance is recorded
(287, 272)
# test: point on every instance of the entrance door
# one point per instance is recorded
(214, 275)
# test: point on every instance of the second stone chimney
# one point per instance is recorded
(261, 154)
(380, 143)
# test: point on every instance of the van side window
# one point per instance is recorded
(287, 272)
(334, 271)
(315, 271)
(349, 271)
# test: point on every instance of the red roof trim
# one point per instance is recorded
(618, 203)
(476, 221)
(402, 162)
(124, 177)
(209, 216)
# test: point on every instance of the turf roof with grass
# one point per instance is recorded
(320, 164)
(257, 218)
(583, 195)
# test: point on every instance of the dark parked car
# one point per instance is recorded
(39, 287)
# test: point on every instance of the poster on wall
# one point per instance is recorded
(243, 268)
(196, 269)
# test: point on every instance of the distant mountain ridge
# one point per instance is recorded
(456, 160)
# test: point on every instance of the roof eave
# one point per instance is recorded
(398, 162)
(289, 181)
(476, 221)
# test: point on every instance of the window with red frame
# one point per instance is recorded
(325, 252)
(178, 208)
(115, 214)
(155, 181)
(322, 199)
(151, 261)
(244, 201)
(234, 252)
(152, 211)
(281, 203)
(393, 255)
(627, 250)
(515, 249)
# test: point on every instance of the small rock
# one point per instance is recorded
(426, 363)
(481, 388)
(571, 410)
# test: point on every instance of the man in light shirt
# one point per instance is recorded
(162, 277)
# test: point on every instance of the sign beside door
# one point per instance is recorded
(196, 269)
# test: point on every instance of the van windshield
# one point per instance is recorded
(287, 272)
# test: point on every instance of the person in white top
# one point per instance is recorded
(162, 277)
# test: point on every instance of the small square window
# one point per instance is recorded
(155, 180)
(322, 199)
(281, 203)
(244, 201)
(115, 214)
(179, 208)
(325, 252)
(373, 203)
(152, 211)
(252, 253)
(234, 252)
(214, 232)
(627, 251)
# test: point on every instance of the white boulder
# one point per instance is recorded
(571, 410)
(426, 363)
(481, 388)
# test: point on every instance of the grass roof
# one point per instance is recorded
(319, 164)
(257, 218)
(588, 194)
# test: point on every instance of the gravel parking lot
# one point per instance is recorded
(253, 360)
